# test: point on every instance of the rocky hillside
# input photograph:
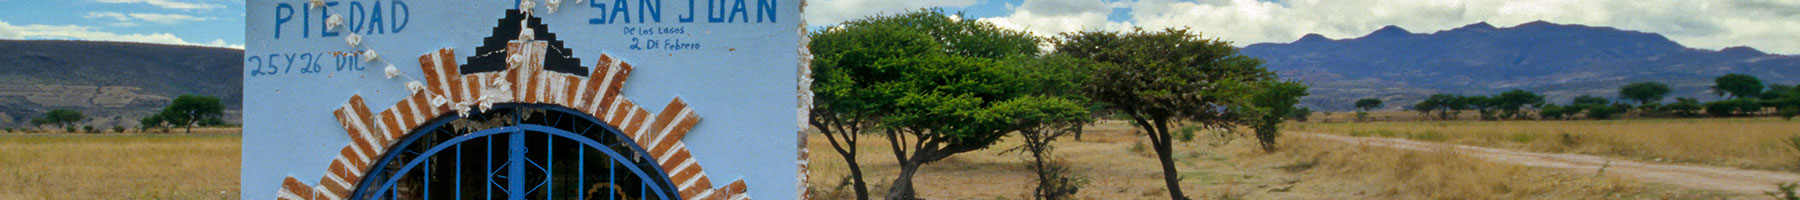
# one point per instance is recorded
(114, 83)
(1557, 60)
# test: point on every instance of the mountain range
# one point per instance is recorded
(112, 83)
(1556, 60)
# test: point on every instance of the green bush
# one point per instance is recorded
(89, 129)
(1601, 112)
(1784, 191)
(69, 129)
(118, 129)
(1734, 107)
(1684, 107)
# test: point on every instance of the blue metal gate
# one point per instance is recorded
(516, 151)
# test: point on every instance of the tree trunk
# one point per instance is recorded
(1161, 141)
(856, 179)
(902, 188)
(1043, 172)
(1170, 176)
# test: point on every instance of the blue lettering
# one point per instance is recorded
(649, 8)
(325, 31)
(356, 17)
(619, 8)
(306, 22)
(690, 16)
(767, 8)
(737, 9)
(601, 6)
(375, 20)
(400, 23)
(715, 15)
(282, 18)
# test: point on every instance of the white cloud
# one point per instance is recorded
(823, 12)
(126, 18)
(1049, 17)
(169, 4)
(1766, 25)
(74, 32)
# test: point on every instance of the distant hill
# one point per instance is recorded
(114, 83)
(1559, 61)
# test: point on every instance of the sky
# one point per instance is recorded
(218, 23)
(1769, 25)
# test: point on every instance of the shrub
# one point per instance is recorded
(1553, 112)
(69, 129)
(89, 129)
(1601, 112)
(1788, 112)
(1734, 107)
(1784, 191)
(118, 129)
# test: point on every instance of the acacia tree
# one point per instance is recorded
(188, 110)
(1737, 86)
(1364, 105)
(930, 83)
(63, 118)
(1644, 92)
(1156, 78)
(849, 64)
(1512, 103)
(1276, 100)
(1058, 109)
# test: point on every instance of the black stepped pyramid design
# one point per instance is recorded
(488, 57)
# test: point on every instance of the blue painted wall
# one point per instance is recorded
(741, 77)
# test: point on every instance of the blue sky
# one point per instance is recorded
(190, 22)
(1768, 25)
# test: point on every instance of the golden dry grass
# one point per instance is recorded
(1304, 169)
(120, 166)
(1752, 143)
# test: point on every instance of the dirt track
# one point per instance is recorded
(1753, 182)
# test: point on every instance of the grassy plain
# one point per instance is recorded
(1752, 143)
(203, 165)
(1112, 157)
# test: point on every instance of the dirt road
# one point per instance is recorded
(1753, 182)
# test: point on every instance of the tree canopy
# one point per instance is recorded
(1366, 104)
(62, 117)
(1737, 86)
(933, 85)
(1644, 92)
(188, 110)
(1158, 77)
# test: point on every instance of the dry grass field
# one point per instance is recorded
(1112, 158)
(203, 165)
(1752, 143)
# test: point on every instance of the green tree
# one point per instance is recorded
(1300, 114)
(1512, 103)
(1644, 92)
(1685, 107)
(152, 121)
(1276, 100)
(1159, 77)
(1043, 119)
(1367, 104)
(188, 110)
(1364, 105)
(1553, 112)
(1427, 106)
(928, 82)
(1737, 86)
(63, 117)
